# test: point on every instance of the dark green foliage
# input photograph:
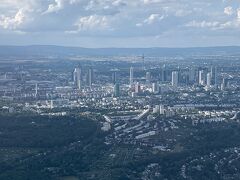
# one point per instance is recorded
(74, 147)
(42, 131)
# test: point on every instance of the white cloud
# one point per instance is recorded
(58, 5)
(119, 18)
(139, 24)
(230, 25)
(182, 12)
(203, 24)
(105, 7)
(74, 1)
(238, 13)
(13, 22)
(153, 18)
(228, 10)
(119, 3)
(151, 1)
(54, 7)
(12, 3)
(92, 22)
(215, 25)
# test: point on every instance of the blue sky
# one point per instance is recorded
(120, 23)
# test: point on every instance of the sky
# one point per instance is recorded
(120, 23)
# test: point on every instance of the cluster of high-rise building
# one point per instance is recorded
(78, 77)
(160, 80)
(174, 78)
(121, 80)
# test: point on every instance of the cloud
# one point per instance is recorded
(58, 5)
(238, 13)
(93, 22)
(215, 25)
(8, 22)
(105, 7)
(228, 10)
(139, 24)
(54, 7)
(182, 12)
(235, 24)
(119, 3)
(151, 1)
(74, 1)
(153, 18)
(202, 24)
(120, 18)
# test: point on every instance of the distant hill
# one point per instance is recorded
(42, 50)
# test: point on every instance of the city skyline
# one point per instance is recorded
(119, 89)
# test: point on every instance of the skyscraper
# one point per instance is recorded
(174, 78)
(201, 78)
(90, 77)
(131, 77)
(214, 75)
(74, 76)
(224, 84)
(209, 78)
(117, 90)
(155, 88)
(148, 77)
(137, 87)
(163, 76)
(77, 77)
(114, 77)
(192, 75)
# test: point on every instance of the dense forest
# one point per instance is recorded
(72, 147)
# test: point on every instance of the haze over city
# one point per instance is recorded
(119, 89)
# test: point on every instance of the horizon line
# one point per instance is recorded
(151, 47)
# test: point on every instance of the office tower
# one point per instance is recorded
(155, 88)
(201, 78)
(175, 78)
(209, 78)
(116, 90)
(51, 104)
(137, 88)
(74, 76)
(212, 71)
(224, 84)
(214, 75)
(183, 77)
(192, 75)
(164, 74)
(90, 77)
(131, 76)
(114, 77)
(148, 77)
(77, 77)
